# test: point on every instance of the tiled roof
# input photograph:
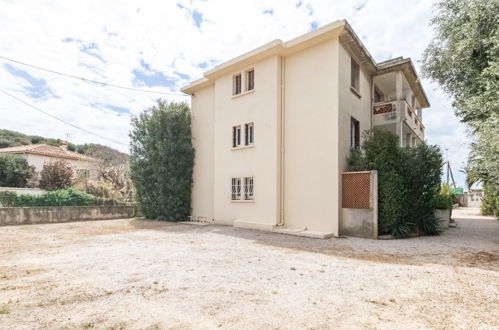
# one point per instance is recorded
(45, 150)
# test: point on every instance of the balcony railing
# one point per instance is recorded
(412, 120)
(387, 113)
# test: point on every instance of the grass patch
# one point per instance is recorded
(4, 309)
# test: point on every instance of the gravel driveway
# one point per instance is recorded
(128, 274)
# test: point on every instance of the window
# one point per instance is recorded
(249, 134)
(248, 188)
(355, 75)
(250, 78)
(236, 188)
(237, 84)
(354, 133)
(236, 136)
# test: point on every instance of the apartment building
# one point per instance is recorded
(273, 127)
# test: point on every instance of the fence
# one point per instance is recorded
(359, 204)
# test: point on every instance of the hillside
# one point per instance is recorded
(14, 139)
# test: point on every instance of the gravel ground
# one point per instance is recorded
(129, 274)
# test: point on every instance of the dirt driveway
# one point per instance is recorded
(128, 274)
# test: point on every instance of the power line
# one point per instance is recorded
(90, 80)
(59, 119)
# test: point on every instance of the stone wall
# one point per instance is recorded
(24, 191)
(55, 214)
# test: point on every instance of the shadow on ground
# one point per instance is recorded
(472, 244)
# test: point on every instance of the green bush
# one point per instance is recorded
(63, 197)
(445, 198)
(15, 171)
(56, 175)
(490, 200)
(7, 198)
(408, 181)
(161, 161)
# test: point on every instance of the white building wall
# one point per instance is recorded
(259, 161)
(351, 105)
(311, 138)
(39, 160)
(203, 134)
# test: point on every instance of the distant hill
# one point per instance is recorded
(14, 139)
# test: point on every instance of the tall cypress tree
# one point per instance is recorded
(162, 160)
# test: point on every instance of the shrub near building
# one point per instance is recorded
(162, 160)
(56, 175)
(15, 171)
(408, 182)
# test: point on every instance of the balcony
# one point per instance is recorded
(387, 115)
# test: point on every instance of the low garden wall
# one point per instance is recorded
(24, 191)
(55, 214)
(359, 212)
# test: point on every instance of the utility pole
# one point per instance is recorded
(449, 170)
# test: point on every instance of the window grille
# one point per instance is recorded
(248, 188)
(236, 188)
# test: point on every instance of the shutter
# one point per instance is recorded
(233, 137)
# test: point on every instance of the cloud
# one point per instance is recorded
(161, 45)
(146, 76)
(33, 87)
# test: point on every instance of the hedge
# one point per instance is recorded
(408, 182)
(63, 197)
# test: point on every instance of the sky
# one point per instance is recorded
(162, 45)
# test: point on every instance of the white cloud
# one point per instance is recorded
(165, 36)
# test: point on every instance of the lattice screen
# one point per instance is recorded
(356, 190)
(384, 108)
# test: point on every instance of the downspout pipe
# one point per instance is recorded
(281, 163)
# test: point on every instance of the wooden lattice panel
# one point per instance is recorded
(356, 190)
(384, 108)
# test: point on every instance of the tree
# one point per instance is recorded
(463, 57)
(162, 160)
(56, 175)
(112, 168)
(15, 171)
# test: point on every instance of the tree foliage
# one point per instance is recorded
(113, 171)
(408, 182)
(61, 197)
(15, 171)
(56, 175)
(463, 58)
(15, 139)
(162, 159)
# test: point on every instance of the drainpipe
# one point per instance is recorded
(372, 101)
(281, 165)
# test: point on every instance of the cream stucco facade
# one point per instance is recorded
(306, 101)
